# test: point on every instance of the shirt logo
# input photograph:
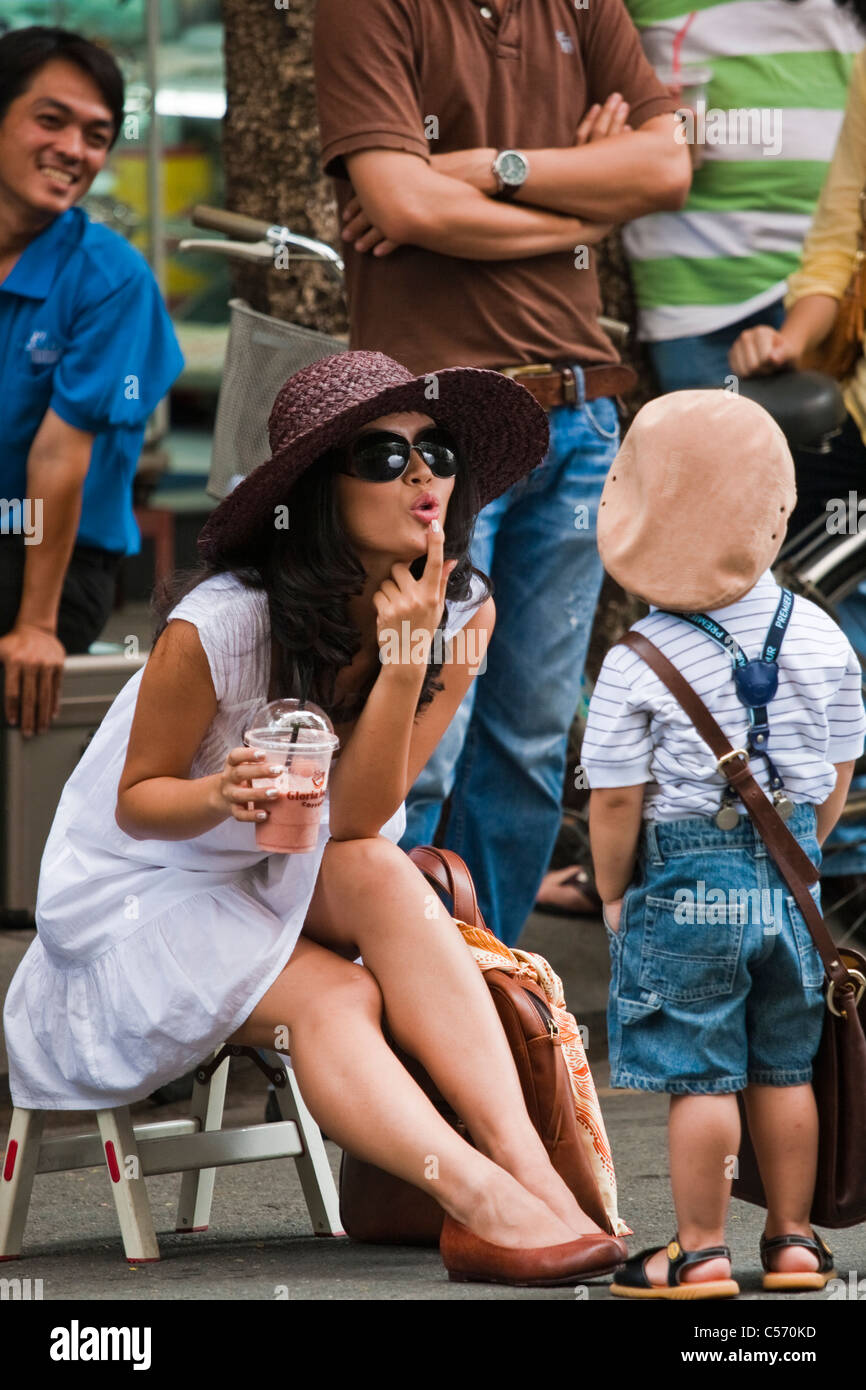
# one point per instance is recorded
(41, 351)
(565, 41)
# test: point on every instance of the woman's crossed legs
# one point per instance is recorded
(370, 899)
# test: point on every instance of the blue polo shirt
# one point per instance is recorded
(84, 331)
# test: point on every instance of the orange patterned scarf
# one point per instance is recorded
(492, 954)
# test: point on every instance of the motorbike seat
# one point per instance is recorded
(807, 406)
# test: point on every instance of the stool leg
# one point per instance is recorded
(16, 1180)
(196, 1189)
(127, 1185)
(313, 1167)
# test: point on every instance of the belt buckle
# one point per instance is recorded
(727, 757)
(528, 369)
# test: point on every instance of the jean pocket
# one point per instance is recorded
(690, 949)
(601, 415)
(811, 965)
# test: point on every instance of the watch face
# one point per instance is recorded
(512, 167)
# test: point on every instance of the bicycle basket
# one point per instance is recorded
(262, 352)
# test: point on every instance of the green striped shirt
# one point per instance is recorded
(774, 106)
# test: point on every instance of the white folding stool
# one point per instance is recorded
(196, 1147)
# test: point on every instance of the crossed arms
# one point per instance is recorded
(571, 195)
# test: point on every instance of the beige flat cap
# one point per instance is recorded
(697, 501)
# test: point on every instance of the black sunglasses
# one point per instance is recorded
(380, 456)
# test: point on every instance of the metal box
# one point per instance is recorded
(34, 771)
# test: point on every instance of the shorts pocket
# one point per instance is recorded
(619, 934)
(635, 1010)
(811, 965)
(690, 948)
(611, 934)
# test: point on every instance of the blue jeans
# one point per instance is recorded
(681, 363)
(716, 983)
(502, 758)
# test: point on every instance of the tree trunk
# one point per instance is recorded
(271, 155)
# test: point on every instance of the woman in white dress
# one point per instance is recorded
(163, 930)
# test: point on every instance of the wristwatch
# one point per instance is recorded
(511, 169)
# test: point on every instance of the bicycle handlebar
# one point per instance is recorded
(255, 237)
(235, 224)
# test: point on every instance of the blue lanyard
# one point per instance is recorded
(756, 680)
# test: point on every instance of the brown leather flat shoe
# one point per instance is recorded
(469, 1259)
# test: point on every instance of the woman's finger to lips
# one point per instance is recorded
(432, 579)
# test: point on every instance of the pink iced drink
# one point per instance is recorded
(292, 826)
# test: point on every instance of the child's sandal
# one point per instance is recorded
(794, 1279)
(631, 1281)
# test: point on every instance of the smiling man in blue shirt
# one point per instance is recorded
(86, 352)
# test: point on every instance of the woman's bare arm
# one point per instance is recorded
(388, 748)
(468, 648)
(156, 798)
(762, 350)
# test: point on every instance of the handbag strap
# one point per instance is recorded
(446, 868)
(793, 863)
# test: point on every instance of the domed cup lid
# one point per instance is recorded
(286, 724)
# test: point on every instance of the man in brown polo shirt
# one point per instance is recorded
(471, 205)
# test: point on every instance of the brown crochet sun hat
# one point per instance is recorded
(501, 429)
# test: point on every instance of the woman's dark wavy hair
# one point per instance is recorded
(309, 572)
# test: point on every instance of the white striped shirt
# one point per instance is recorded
(637, 732)
(774, 108)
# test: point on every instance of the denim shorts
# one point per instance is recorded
(715, 980)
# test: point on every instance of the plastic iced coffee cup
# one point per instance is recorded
(690, 81)
(688, 85)
(301, 738)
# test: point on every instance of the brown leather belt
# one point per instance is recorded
(556, 385)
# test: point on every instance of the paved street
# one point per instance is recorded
(259, 1244)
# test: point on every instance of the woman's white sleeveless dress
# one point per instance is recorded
(150, 953)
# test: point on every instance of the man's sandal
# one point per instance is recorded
(632, 1282)
(793, 1279)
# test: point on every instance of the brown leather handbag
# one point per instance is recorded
(839, 1069)
(376, 1207)
(837, 355)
